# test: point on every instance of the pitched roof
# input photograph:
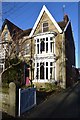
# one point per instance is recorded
(62, 25)
(12, 28)
(44, 9)
(19, 32)
(25, 33)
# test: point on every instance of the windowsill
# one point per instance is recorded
(43, 80)
(46, 54)
(27, 55)
(44, 33)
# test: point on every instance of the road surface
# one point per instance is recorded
(64, 105)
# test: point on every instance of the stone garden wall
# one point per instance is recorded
(8, 99)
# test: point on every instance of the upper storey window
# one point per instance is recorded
(45, 27)
(27, 49)
(6, 36)
(44, 44)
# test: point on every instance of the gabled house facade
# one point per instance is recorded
(8, 43)
(49, 50)
(54, 49)
(9, 34)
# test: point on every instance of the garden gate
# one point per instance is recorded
(27, 99)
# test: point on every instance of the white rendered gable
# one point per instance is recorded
(39, 17)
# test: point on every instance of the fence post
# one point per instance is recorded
(19, 102)
(12, 98)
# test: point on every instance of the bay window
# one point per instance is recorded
(45, 70)
(45, 44)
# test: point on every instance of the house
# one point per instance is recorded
(9, 34)
(48, 48)
(54, 49)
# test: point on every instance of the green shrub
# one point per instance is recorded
(50, 86)
(13, 74)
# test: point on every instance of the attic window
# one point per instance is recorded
(45, 27)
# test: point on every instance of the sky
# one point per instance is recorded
(79, 35)
(24, 15)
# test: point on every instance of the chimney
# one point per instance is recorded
(66, 19)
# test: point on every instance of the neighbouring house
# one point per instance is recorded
(9, 36)
(8, 43)
(12, 44)
(48, 49)
(2, 55)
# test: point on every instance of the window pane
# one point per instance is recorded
(46, 63)
(45, 24)
(26, 50)
(45, 29)
(46, 39)
(37, 48)
(51, 45)
(6, 36)
(51, 63)
(43, 39)
(37, 40)
(52, 73)
(46, 47)
(51, 38)
(37, 64)
(37, 76)
(41, 70)
(42, 46)
(46, 72)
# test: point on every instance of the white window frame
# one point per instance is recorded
(45, 27)
(53, 67)
(49, 41)
(27, 49)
